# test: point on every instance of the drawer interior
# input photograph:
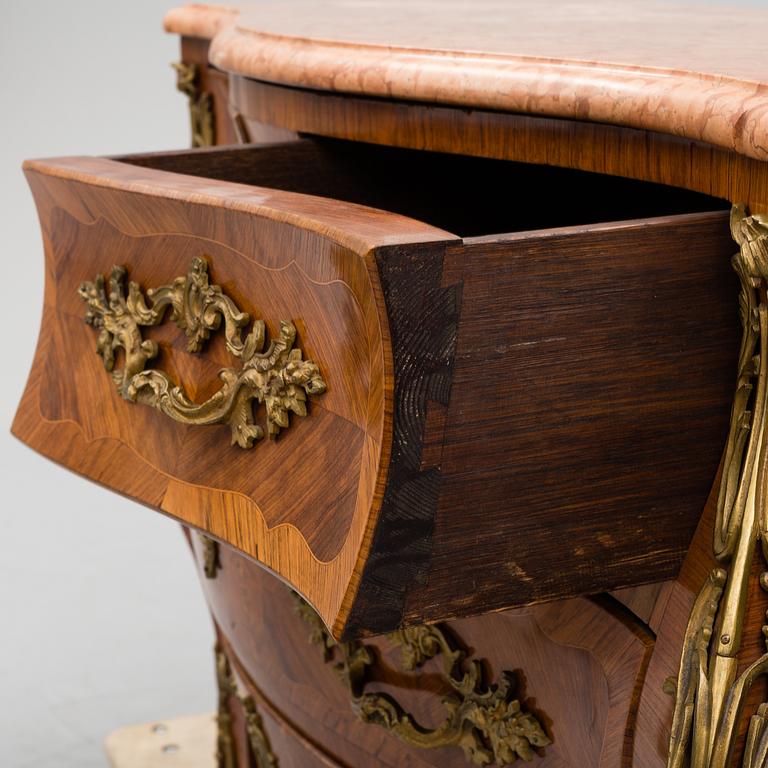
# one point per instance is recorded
(468, 196)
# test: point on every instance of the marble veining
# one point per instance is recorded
(696, 71)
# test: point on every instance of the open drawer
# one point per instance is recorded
(491, 420)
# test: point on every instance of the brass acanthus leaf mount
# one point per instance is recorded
(278, 377)
(710, 694)
(486, 721)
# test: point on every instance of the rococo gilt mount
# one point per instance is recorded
(278, 377)
(469, 479)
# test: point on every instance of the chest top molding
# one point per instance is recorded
(699, 71)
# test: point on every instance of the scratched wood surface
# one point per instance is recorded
(554, 457)
(592, 332)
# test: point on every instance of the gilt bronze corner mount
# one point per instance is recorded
(710, 691)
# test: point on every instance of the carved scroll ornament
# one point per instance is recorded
(486, 721)
(710, 694)
(278, 377)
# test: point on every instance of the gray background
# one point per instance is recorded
(102, 622)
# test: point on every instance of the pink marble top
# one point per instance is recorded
(698, 70)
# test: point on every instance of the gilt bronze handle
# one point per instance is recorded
(277, 377)
(486, 721)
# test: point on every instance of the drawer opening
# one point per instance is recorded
(574, 352)
(469, 196)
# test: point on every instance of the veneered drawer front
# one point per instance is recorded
(300, 502)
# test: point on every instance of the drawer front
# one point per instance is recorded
(299, 501)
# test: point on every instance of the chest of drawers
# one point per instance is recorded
(431, 344)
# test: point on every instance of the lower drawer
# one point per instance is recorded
(406, 419)
(558, 683)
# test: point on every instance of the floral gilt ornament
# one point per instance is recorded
(486, 721)
(278, 377)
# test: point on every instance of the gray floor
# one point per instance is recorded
(102, 622)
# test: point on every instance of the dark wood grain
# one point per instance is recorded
(591, 146)
(560, 459)
(469, 196)
(580, 356)
(423, 324)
